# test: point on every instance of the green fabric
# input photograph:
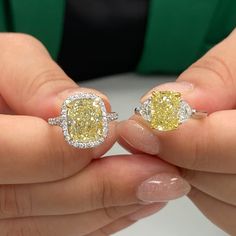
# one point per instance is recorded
(3, 23)
(179, 32)
(42, 19)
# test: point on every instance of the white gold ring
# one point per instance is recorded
(166, 111)
(84, 120)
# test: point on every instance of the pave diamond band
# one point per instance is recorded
(165, 111)
(198, 114)
(58, 121)
(84, 120)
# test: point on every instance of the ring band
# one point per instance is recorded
(84, 120)
(58, 121)
(166, 111)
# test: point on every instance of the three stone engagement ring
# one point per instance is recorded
(166, 111)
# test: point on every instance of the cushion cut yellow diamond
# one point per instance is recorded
(165, 107)
(85, 120)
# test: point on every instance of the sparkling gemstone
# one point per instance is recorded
(85, 122)
(165, 106)
(185, 112)
(145, 110)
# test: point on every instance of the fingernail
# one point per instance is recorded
(146, 211)
(139, 137)
(182, 87)
(163, 188)
(59, 99)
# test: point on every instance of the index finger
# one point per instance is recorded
(31, 83)
(31, 151)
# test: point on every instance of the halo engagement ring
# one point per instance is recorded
(84, 120)
(166, 111)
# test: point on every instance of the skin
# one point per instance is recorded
(204, 150)
(46, 186)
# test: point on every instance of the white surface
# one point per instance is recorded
(179, 218)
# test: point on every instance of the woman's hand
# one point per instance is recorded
(204, 149)
(47, 187)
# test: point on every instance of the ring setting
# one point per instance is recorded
(166, 111)
(84, 120)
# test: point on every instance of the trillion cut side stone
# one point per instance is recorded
(145, 110)
(85, 120)
(185, 112)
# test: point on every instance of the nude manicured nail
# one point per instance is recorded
(139, 137)
(182, 87)
(146, 211)
(162, 188)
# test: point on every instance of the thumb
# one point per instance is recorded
(209, 84)
(31, 82)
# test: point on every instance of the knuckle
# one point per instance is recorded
(65, 162)
(62, 160)
(189, 175)
(104, 232)
(15, 201)
(201, 151)
(194, 194)
(112, 213)
(102, 187)
(44, 79)
(216, 65)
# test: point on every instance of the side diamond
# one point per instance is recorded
(145, 110)
(185, 112)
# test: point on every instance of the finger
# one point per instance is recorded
(220, 213)
(135, 137)
(206, 145)
(209, 84)
(31, 82)
(113, 181)
(128, 147)
(113, 227)
(75, 224)
(31, 151)
(4, 108)
(219, 186)
(127, 221)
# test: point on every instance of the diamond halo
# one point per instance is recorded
(93, 116)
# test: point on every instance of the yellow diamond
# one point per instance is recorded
(85, 120)
(165, 107)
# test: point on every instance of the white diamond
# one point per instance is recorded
(146, 110)
(185, 112)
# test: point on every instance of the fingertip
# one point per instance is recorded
(64, 94)
(138, 136)
(179, 86)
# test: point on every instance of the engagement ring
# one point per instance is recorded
(166, 111)
(84, 120)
